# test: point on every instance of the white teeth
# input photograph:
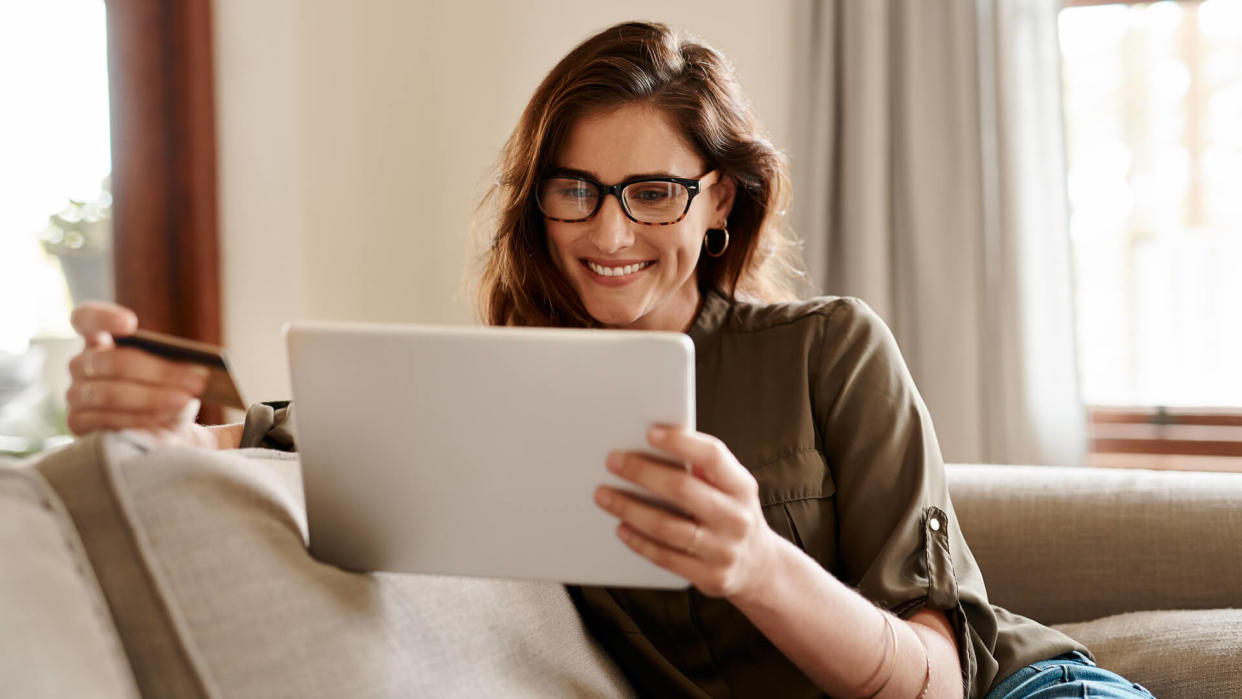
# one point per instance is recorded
(616, 271)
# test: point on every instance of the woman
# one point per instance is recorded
(825, 556)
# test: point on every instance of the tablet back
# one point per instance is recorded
(476, 451)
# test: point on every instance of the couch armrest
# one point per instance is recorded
(57, 638)
(1071, 544)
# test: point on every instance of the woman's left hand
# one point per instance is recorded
(724, 544)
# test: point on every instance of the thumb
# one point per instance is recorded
(97, 322)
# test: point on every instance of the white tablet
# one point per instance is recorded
(477, 451)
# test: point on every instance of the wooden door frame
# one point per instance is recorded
(162, 105)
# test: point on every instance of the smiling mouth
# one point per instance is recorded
(621, 271)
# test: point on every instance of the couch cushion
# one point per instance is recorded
(1183, 653)
(215, 542)
(56, 635)
(1069, 544)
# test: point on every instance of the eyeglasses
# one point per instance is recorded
(654, 201)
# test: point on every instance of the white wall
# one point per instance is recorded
(356, 138)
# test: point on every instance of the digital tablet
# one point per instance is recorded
(477, 451)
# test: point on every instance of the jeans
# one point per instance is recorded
(1066, 676)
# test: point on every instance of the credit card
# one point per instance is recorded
(221, 389)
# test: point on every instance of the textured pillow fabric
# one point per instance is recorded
(215, 543)
(1061, 544)
(1175, 654)
(56, 635)
(91, 486)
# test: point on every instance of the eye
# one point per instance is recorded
(577, 192)
(650, 192)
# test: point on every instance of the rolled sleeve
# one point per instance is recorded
(270, 426)
(899, 541)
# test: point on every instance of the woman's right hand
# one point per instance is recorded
(118, 388)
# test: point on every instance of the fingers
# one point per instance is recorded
(676, 485)
(81, 422)
(117, 404)
(97, 322)
(130, 364)
(125, 396)
(687, 565)
(673, 530)
(711, 459)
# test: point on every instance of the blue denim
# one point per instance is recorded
(1072, 675)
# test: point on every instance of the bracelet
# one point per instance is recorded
(927, 673)
(892, 661)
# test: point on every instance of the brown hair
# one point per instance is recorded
(695, 85)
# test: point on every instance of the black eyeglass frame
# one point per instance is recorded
(693, 186)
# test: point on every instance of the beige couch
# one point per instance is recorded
(127, 570)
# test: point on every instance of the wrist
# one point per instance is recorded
(203, 437)
(773, 555)
(217, 436)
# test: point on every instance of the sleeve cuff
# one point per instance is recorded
(269, 426)
(942, 592)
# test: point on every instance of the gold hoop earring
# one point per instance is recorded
(724, 246)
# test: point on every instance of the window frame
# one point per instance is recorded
(1146, 436)
(1161, 430)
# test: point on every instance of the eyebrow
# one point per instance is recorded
(572, 172)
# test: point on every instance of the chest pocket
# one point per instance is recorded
(796, 492)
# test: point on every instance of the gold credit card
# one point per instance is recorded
(221, 389)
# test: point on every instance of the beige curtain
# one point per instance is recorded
(929, 181)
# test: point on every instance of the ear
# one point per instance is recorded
(722, 193)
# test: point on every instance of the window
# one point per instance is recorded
(1153, 114)
(54, 221)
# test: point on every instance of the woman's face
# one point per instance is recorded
(660, 291)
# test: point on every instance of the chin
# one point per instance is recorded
(613, 314)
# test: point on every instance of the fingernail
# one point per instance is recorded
(603, 497)
(657, 434)
(614, 461)
(201, 372)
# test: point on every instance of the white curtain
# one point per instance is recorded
(929, 181)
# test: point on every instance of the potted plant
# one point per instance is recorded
(80, 237)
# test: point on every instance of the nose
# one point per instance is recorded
(612, 231)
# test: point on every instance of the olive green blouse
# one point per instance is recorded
(814, 398)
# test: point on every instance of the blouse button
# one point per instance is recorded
(935, 524)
